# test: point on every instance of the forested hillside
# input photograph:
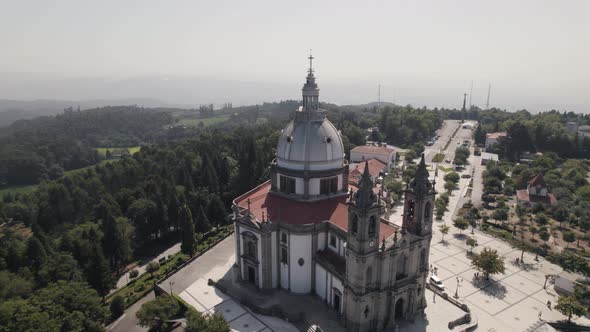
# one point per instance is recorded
(33, 150)
(88, 225)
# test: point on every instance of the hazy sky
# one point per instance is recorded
(534, 53)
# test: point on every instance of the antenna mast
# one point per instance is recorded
(379, 96)
(488, 101)
(470, 94)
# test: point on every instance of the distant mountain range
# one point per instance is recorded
(13, 110)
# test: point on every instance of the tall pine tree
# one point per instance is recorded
(187, 229)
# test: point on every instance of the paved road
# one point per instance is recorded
(210, 262)
(124, 279)
(128, 322)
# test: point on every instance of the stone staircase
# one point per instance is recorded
(304, 326)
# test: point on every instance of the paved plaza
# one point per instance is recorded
(507, 302)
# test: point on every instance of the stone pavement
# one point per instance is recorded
(508, 302)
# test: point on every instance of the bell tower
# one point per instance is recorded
(362, 257)
(419, 203)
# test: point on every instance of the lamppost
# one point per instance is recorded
(171, 283)
(459, 281)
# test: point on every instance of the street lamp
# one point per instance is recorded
(459, 280)
(171, 283)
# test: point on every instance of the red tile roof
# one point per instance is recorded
(538, 181)
(276, 208)
(497, 134)
(523, 195)
(375, 167)
(373, 149)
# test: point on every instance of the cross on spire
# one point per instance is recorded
(310, 61)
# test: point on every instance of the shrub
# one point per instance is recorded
(117, 307)
(140, 287)
(133, 273)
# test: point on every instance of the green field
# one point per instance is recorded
(192, 122)
(23, 189)
(132, 150)
(17, 189)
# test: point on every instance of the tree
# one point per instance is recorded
(471, 242)
(197, 322)
(569, 306)
(98, 273)
(410, 156)
(453, 177)
(36, 253)
(61, 306)
(117, 307)
(152, 267)
(187, 229)
(488, 262)
(569, 237)
(444, 230)
(216, 210)
(541, 219)
(544, 235)
(155, 313)
(449, 186)
(461, 223)
(500, 214)
(203, 223)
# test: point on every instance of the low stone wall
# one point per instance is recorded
(466, 322)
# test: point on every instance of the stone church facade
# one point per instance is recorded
(306, 230)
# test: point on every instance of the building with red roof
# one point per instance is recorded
(378, 151)
(317, 228)
(536, 192)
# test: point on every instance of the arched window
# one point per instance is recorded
(369, 276)
(401, 267)
(251, 249)
(354, 224)
(423, 259)
(427, 208)
(372, 225)
(284, 238)
(410, 212)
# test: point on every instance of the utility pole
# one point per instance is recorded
(379, 97)
(470, 95)
(488, 101)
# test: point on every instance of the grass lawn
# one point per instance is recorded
(439, 157)
(445, 169)
(132, 149)
(192, 122)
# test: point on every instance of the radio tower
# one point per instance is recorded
(488, 101)
(379, 97)
(470, 94)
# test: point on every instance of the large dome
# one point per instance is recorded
(310, 142)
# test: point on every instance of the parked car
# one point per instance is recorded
(437, 283)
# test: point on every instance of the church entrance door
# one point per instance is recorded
(251, 275)
(337, 302)
(399, 309)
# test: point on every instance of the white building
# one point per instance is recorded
(380, 152)
(305, 231)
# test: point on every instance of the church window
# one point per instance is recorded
(329, 186)
(287, 185)
(284, 258)
(355, 224)
(401, 267)
(284, 238)
(372, 226)
(427, 208)
(411, 206)
(423, 259)
(251, 249)
(332, 241)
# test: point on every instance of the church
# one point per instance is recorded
(307, 230)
